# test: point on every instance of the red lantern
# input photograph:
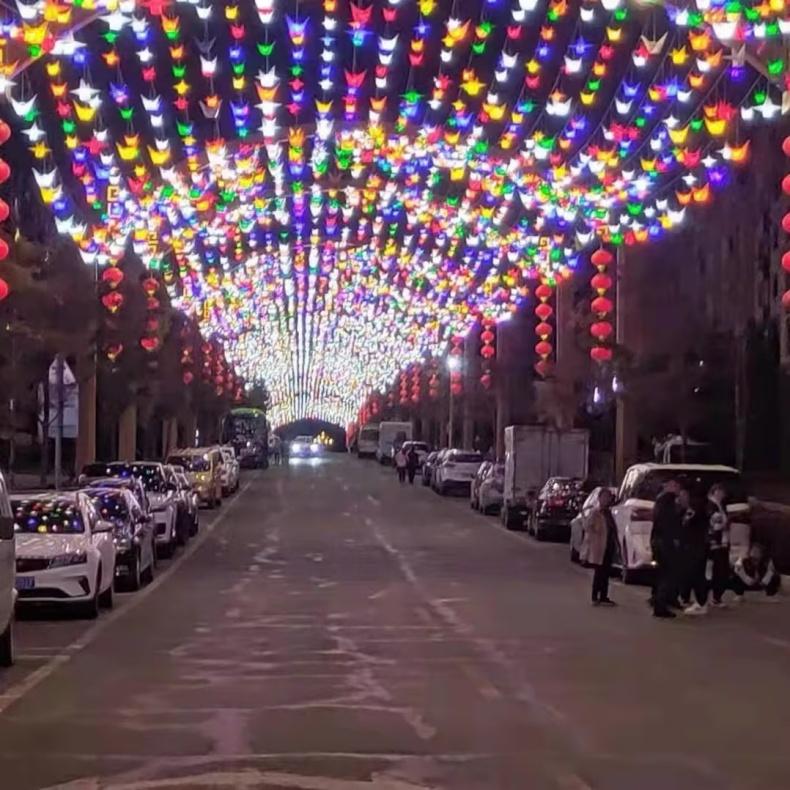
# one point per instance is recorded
(4, 211)
(152, 303)
(544, 330)
(786, 146)
(543, 349)
(456, 388)
(543, 291)
(487, 352)
(3, 249)
(543, 366)
(150, 344)
(5, 132)
(786, 184)
(601, 353)
(601, 330)
(544, 311)
(601, 282)
(602, 306)
(4, 289)
(786, 300)
(112, 301)
(601, 258)
(114, 351)
(112, 276)
(5, 171)
(786, 223)
(150, 286)
(786, 261)
(485, 380)
(487, 336)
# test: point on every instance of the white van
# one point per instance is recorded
(368, 441)
(7, 577)
(392, 435)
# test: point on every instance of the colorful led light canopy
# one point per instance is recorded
(335, 189)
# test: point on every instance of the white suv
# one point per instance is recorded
(7, 577)
(230, 470)
(456, 470)
(633, 511)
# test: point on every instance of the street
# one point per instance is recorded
(331, 629)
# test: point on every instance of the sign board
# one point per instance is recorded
(71, 398)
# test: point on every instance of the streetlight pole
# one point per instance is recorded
(453, 365)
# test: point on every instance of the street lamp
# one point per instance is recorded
(453, 365)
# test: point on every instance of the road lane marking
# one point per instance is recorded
(19, 690)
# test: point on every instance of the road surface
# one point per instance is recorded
(332, 630)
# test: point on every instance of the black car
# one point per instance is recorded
(555, 507)
(133, 534)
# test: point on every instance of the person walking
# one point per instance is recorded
(694, 555)
(412, 463)
(718, 544)
(601, 541)
(400, 464)
(665, 545)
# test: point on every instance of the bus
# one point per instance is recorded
(248, 431)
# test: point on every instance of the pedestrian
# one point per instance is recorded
(400, 464)
(693, 555)
(412, 463)
(601, 541)
(665, 545)
(718, 544)
(754, 573)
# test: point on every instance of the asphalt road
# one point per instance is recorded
(332, 630)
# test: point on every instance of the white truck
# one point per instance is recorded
(391, 436)
(533, 454)
(368, 440)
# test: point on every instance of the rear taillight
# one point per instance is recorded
(556, 502)
(642, 514)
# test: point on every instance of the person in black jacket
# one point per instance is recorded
(694, 556)
(665, 545)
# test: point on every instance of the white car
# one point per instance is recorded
(490, 489)
(7, 577)
(579, 546)
(633, 511)
(230, 470)
(162, 500)
(64, 553)
(304, 447)
(456, 470)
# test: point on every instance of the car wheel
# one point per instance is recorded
(627, 574)
(91, 608)
(7, 652)
(147, 576)
(538, 531)
(106, 598)
(135, 577)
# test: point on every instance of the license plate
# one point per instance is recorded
(25, 582)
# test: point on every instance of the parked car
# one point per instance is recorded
(65, 554)
(489, 486)
(204, 470)
(421, 448)
(183, 505)
(428, 467)
(192, 499)
(557, 503)
(456, 470)
(474, 503)
(133, 484)
(304, 447)
(133, 534)
(7, 577)
(230, 470)
(161, 497)
(579, 525)
(642, 483)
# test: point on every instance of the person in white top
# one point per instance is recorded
(400, 464)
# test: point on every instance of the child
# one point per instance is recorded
(755, 572)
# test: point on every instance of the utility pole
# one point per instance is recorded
(60, 401)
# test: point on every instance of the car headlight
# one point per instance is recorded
(294, 447)
(314, 448)
(63, 560)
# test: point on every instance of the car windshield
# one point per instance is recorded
(111, 505)
(466, 458)
(304, 440)
(697, 481)
(47, 516)
(192, 463)
(420, 447)
(150, 474)
(369, 434)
